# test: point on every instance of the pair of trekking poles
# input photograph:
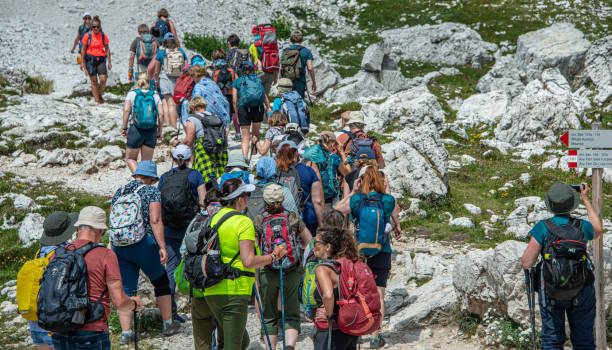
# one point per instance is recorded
(263, 322)
(530, 286)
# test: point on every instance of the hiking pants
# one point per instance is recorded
(203, 325)
(144, 256)
(269, 281)
(581, 318)
(230, 313)
(78, 340)
(339, 341)
(174, 259)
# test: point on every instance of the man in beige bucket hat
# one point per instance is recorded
(356, 124)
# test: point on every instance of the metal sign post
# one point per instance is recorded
(600, 302)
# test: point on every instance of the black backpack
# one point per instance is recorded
(204, 266)
(63, 303)
(214, 139)
(179, 206)
(238, 56)
(224, 78)
(564, 270)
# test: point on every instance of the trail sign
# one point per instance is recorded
(587, 139)
(589, 158)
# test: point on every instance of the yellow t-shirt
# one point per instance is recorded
(253, 52)
(235, 229)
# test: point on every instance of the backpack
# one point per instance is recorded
(276, 229)
(564, 270)
(183, 285)
(251, 91)
(174, 63)
(224, 77)
(293, 105)
(268, 46)
(204, 266)
(144, 110)
(183, 88)
(369, 218)
(308, 286)
(214, 139)
(146, 49)
(126, 223)
(240, 174)
(237, 56)
(85, 29)
(291, 63)
(358, 141)
(65, 306)
(291, 180)
(178, 204)
(256, 204)
(358, 302)
(163, 26)
(28, 285)
(329, 174)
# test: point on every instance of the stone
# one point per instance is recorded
(520, 231)
(108, 154)
(10, 309)
(414, 208)
(466, 159)
(22, 202)
(487, 108)
(363, 86)
(426, 266)
(504, 76)
(598, 67)
(517, 216)
(461, 222)
(394, 81)
(373, 58)
(528, 202)
(410, 108)
(560, 46)
(453, 44)
(325, 74)
(525, 178)
(474, 210)
(60, 156)
(31, 228)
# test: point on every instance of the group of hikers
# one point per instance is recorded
(309, 231)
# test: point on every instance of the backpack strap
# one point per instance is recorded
(86, 248)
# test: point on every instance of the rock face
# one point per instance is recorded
(60, 156)
(363, 86)
(493, 279)
(599, 67)
(487, 108)
(452, 44)
(417, 163)
(31, 228)
(410, 108)
(504, 76)
(560, 46)
(325, 74)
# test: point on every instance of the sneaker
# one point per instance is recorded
(178, 318)
(237, 137)
(173, 328)
(377, 343)
(127, 337)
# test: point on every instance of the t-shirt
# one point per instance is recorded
(388, 206)
(131, 96)
(134, 45)
(344, 138)
(231, 232)
(255, 55)
(297, 225)
(273, 132)
(161, 55)
(305, 56)
(102, 267)
(540, 231)
(96, 47)
(148, 195)
(307, 177)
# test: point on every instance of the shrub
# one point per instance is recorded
(37, 85)
(283, 28)
(206, 44)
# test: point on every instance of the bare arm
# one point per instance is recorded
(202, 195)
(326, 287)
(312, 75)
(252, 261)
(267, 102)
(318, 200)
(108, 55)
(343, 168)
(305, 236)
(189, 134)
(264, 147)
(158, 229)
(594, 217)
(530, 255)
(173, 30)
(121, 301)
(127, 109)
(235, 100)
(76, 42)
(344, 205)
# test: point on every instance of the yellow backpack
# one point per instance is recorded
(28, 285)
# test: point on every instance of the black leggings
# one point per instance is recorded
(339, 341)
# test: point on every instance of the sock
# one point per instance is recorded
(167, 323)
(127, 333)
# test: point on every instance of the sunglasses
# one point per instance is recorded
(87, 17)
(314, 241)
(95, 27)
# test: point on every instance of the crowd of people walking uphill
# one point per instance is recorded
(309, 231)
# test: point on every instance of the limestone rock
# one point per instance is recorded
(598, 66)
(21, 202)
(487, 108)
(108, 154)
(373, 58)
(363, 86)
(325, 74)
(461, 222)
(474, 210)
(504, 76)
(394, 81)
(31, 228)
(60, 156)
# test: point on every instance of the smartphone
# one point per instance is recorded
(577, 188)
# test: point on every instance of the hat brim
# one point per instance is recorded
(137, 173)
(575, 204)
(66, 235)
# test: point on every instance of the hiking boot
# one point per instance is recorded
(127, 337)
(377, 343)
(173, 328)
(237, 137)
(178, 318)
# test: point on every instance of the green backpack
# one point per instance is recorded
(291, 63)
(183, 285)
(308, 285)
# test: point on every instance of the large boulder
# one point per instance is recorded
(487, 108)
(504, 76)
(453, 44)
(373, 58)
(60, 156)
(31, 228)
(546, 107)
(410, 108)
(599, 67)
(559, 46)
(417, 163)
(325, 74)
(363, 86)
(108, 154)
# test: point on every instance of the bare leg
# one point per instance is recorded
(246, 140)
(131, 158)
(273, 340)
(381, 294)
(291, 337)
(172, 115)
(236, 123)
(255, 129)
(165, 306)
(165, 109)
(146, 153)
(102, 85)
(94, 87)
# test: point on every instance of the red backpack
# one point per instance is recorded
(267, 46)
(275, 228)
(183, 88)
(359, 303)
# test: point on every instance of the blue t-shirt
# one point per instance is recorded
(148, 195)
(307, 177)
(161, 54)
(388, 206)
(540, 231)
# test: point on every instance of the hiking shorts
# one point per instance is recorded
(144, 256)
(166, 84)
(137, 138)
(96, 65)
(380, 264)
(248, 115)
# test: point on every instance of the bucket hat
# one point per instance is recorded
(181, 152)
(561, 199)
(236, 159)
(356, 117)
(146, 168)
(92, 216)
(266, 168)
(58, 228)
(273, 193)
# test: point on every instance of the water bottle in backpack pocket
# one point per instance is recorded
(144, 110)
(276, 229)
(369, 219)
(126, 223)
(251, 91)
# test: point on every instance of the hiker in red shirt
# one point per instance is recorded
(94, 54)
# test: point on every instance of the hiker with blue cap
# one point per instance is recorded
(167, 67)
(137, 235)
(266, 175)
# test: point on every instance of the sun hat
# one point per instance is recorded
(266, 168)
(284, 85)
(92, 216)
(356, 117)
(169, 35)
(561, 199)
(273, 193)
(244, 188)
(289, 143)
(86, 14)
(365, 153)
(146, 168)
(236, 159)
(58, 227)
(181, 152)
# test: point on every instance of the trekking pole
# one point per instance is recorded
(263, 321)
(135, 326)
(531, 303)
(329, 334)
(309, 99)
(282, 303)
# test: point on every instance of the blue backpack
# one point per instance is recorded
(163, 26)
(293, 105)
(144, 110)
(369, 218)
(243, 175)
(146, 49)
(85, 29)
(251, 91)
(329, 173)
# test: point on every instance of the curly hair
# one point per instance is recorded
(278, 118)
(342, 242)
(333, 218)
(360, 163)
(198, 102)
(218, 54)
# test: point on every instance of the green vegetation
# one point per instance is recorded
(37, 85)
(412, 69)
(206, 44)
(467, 323)
(323, 115)
(283, 28)
(420, 281)
(119, 89)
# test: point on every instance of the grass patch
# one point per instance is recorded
(347, 51)
(283, 28)
(467, 323)
(37, 85)
(324, 115)
(119, 89)
(206, 44)
(420, 281)
(412, 69)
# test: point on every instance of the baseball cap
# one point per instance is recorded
(181, 152)
(86, 14)
(169, 36)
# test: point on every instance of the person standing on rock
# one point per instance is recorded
(369, 196)
(95, 53)
(83, 28)
(351, 141)
(295, 69)
(565, 233)
(168, 67)
(141, 140)
(147, 254)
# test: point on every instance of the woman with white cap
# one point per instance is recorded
(182, 193)
(229, 299)
(83, 28)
